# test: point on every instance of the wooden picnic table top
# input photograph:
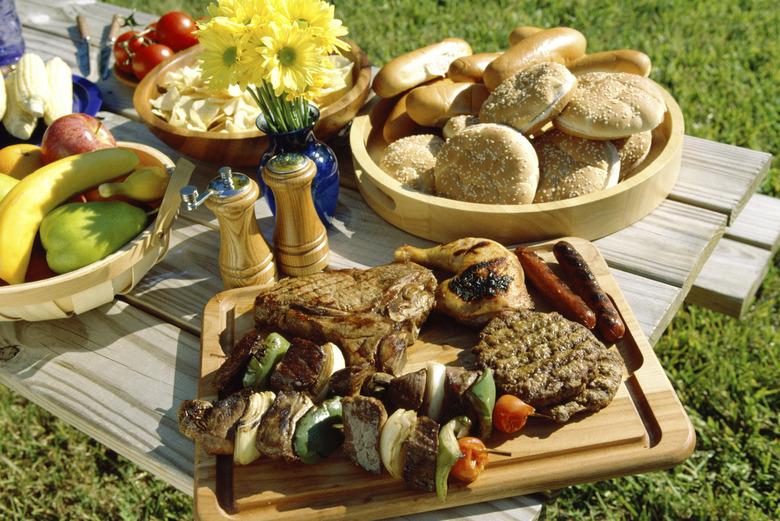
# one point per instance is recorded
(118, 373)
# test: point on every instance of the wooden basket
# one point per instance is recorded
(243, 148)
(96, 284)
(590, 216)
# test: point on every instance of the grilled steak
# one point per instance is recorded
(304, 368)
(363, 420)
(349, 381)
(542, 358)
(407, 391)
(209, 423)
(597, 394)
(275, 435)
(456, 382)
(419, 455)
(372, 315)
(228, 376)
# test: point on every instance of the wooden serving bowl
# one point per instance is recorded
(243, 148)
(589, 216)
(96, 284)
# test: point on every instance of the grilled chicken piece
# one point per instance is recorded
(407, 392)
(275, 435)
(228, 376)
(456, 382)
(419, 455)
(372, 315)
(349, 381)
(305, 367)
(208, 423)
(488, 278)
(363, 420)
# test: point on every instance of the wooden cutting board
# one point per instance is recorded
(644, 428)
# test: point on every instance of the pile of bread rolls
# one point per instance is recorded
(540, 122)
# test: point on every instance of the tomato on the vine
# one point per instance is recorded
(475, 456)
(176, 30)
(152, 32)
(127, 44)
(147, 58)
(511, 413)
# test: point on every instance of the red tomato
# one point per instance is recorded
(152, 34)
(127, 44)
(147, 58)
(475, 456)
(511, 413)
(175, 29)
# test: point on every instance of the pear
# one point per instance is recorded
(78, 234)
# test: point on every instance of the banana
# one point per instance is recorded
(25, 206)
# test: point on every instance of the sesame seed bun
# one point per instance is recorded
(633, 150)
(487, 163)
(570, 166)
(530, 98)
(612, 105)
(411, 161)
(458, 123)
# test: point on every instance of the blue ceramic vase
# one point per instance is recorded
(325, 188)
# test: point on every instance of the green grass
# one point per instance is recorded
(721, 60)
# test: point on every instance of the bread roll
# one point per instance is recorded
(612, 105)
(561, 45)
(632, 151)
(415, 68)
(432, 105)
(531, 98)
(458, 123)
(622, 60)
(398, 124)
(522, 32)
(411, 161)
(570, 166)
(487, 163)
(471, 68)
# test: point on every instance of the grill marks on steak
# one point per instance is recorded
(371, 314)
(419, 455)
(549, 362)
(303, 368)
(275, 435)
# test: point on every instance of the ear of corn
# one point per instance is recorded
(60, 100)
(2, 95)
(17, 122)
(32, 84)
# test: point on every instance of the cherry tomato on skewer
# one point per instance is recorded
(474, 459)
(511, 413)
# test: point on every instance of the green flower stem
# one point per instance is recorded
(282, 115)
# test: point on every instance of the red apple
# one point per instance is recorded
(74, 134)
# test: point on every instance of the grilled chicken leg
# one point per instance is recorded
(488, 278)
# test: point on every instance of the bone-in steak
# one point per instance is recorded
(371, 314)
(546, 360)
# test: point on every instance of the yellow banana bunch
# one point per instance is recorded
(25, 206)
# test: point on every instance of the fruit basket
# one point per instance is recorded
(243, 148)
(92, 286)
(590, 216)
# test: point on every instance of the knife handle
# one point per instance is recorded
(81, 20)
(116, 22)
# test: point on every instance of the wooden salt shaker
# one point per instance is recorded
(300, 239)
(244, 256)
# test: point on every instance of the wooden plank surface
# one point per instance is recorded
(758, 224)
(116, 374)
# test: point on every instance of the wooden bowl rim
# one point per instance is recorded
(361, 130)
(140, 242)
(142, 94)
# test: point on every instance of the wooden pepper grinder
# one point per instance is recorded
(244, 256)
(300, 239)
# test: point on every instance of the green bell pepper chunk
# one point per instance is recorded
(316, 435)
(482, 397)
(449, 451)
(260, 369)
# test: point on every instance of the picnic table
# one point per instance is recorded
(118, 373)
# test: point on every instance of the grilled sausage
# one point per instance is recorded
(577, 272)
(554, 289)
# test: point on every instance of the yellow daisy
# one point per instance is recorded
(244, 12)
(316, 15)
(290, 58)
(225, 59)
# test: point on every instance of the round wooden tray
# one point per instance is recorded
(243, 148)
(96, 284)
(589, 216)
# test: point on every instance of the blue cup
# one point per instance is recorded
(11, 41)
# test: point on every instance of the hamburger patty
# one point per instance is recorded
(549, 361)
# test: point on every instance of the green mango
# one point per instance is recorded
(78, 234)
